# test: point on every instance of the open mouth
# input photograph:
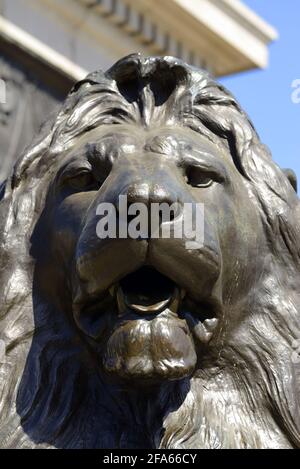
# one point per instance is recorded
(146, 291)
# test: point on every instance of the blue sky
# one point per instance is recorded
(266, 94)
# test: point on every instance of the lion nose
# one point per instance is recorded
(156, 194)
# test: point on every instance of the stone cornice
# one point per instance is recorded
(223, 36)
(16, 42)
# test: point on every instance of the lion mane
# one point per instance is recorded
(245, 397)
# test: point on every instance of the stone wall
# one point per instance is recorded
(28, 104)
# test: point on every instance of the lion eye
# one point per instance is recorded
(82, 181)
(196, 177)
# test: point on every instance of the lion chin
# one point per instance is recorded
(163, 349)
(149, 341)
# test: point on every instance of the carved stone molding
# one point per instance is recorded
(28, 104)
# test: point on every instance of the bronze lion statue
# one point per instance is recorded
(144, 342)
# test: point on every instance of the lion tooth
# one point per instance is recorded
(199, 330)
(121, 302)
(182, 293)
(112, 290)
(174, 305)
(202, 334)
(211, 324)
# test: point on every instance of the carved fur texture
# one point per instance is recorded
(245, 390)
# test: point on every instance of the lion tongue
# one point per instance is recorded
(142, 304)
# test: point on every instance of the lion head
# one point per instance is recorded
(147, 341)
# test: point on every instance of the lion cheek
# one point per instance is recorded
(150, 350)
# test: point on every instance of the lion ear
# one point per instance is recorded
(291, 175)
